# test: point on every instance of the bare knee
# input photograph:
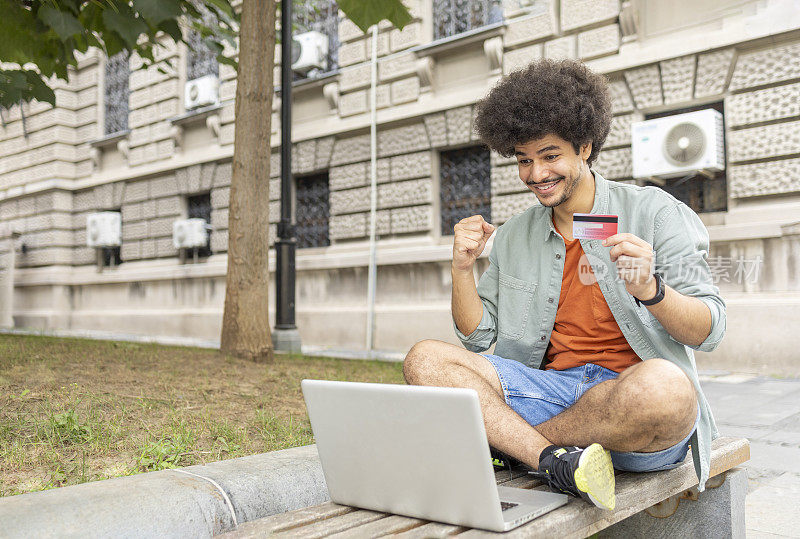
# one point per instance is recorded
(660, 394)
(421, 360)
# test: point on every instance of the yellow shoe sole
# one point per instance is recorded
(595, 476)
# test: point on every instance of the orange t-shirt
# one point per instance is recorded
(585, 330)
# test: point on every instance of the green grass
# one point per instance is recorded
(74, 410)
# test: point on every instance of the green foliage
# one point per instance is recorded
(365, 13)
(50, 33)
(69, 429)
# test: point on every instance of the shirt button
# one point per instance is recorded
(542, 338)
(558, 257)
(549, 300)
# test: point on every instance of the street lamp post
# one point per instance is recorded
(286, 338)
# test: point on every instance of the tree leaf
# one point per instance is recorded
(365, 13)
(172, 29)
(157, 11)
(64, 24)
(123, 21)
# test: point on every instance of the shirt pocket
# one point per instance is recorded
(513, 306)
(600, 309)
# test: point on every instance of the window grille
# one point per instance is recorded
(199, 207)
(319, 16)
(200, 60)
(117, 93)
(465, 186)
(312, 212)
(452, 17)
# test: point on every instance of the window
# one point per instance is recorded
(200, 60)
(699, 192)
(452, 17)
(312, 211)
(116, 93)
(319, 16)
(199, 207)
(465, 186)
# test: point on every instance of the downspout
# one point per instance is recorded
(373, 211)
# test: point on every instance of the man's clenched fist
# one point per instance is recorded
(471, 235)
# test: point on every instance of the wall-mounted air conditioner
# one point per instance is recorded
(201, 92)
(309, 51)
(189, 233)
(103, 229)
(678, 145)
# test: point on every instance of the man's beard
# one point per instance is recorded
(569, 188)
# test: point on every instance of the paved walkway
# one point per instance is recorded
(767, 411)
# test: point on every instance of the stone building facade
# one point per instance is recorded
(59, 164)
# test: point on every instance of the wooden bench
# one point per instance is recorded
(658, 504)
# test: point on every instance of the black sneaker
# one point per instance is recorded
(584, 473)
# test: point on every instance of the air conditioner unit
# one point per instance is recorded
(309, 51)
(201, 92)
(189, 233)
(103, 229)
(680, 144)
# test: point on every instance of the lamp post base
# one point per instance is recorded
(286, 341)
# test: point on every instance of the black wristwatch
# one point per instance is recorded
(659, 293)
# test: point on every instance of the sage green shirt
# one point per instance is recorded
(521, 287)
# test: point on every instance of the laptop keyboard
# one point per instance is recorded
(507, 505)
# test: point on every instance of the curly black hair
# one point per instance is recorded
(563, 97)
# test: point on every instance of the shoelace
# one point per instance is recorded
(560, 476)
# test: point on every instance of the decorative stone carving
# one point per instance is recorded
(505, 179)
(331, 93)
(577, 13)
(563, 47)
(629, 21)
(493, 49)
(615, 164)
(620, 133)
(677, 79)
(519, 58)
(350, 201)
(395, 66)
(712, 72)
(762, 142)
(436, 127)
(414, 219)
(348, 176)
(536, 26)
(405, 91)
(459, 123)
(351, 150)
(504, 207)
(407, 193)
(763, 105)
(766, 66)
(771, 178)
(424, 70)
(645, 85)
(405, 139)
(620, 96)
(413, 165)
(598, 42)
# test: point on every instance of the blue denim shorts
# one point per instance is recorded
(538, 395)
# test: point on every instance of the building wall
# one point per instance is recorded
(57, 166)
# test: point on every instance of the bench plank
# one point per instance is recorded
(336, 524)
(635, 493)
(432, 529)
(287, 521)
(392, 524)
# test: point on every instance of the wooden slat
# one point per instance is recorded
(287, 521)
(635, 493)
(432, 529)
(392, 524)
(329, 526)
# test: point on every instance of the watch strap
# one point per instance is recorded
(659, 293)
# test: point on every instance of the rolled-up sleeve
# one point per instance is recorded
(682, 245)
(486, 333)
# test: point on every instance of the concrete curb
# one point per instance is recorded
(197, 501)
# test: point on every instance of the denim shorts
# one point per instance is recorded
(538, 395)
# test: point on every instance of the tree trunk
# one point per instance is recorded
(245, 322)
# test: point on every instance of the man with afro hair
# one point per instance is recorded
(593, 365)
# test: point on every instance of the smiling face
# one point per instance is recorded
(551, 169)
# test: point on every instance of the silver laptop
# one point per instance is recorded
(414, 451)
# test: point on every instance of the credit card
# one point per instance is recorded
(589, 226)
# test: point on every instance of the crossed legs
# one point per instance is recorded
(650, 406)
